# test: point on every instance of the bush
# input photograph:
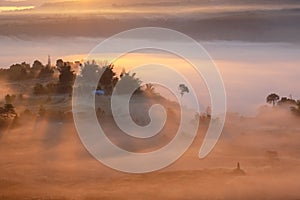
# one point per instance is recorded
(7, 115)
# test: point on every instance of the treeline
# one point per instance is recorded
(64, 83)
(9, 118)
(24, 71)
(284, 102)
(49, 81)
(89, 71)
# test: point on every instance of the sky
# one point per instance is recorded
(255, 43)
(250, 70)
(142, 5)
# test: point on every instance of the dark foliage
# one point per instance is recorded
(128, 83)
(39, 89)
(272, 99)
(108, 79)
(8, 115)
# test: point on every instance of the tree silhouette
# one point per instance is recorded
(128, 83)
(37, 65)
(67, 75)
(9, 110)
(149, 89)
(60, 63)
(272, 99)
(108, 79)
(90, 71)
(19, 72)
(66, 78)
(183, 89)
(285, 101)
(8, 99)
(296, 110)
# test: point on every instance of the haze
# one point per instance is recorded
(254, 43)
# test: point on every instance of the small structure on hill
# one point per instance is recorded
(238, 171)
(99, 92)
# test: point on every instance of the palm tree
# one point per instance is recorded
(149, 89)
(272, 99)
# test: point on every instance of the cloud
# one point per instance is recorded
(21, 2)
(159, 3)
(147, 8)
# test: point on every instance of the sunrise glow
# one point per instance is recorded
(15, 8)
(149, 99)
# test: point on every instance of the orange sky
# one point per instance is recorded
(134, 6)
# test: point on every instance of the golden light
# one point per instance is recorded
(14, 8)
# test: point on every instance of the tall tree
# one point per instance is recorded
(272, 99)
(67, 75)
(108, 79)
(66, 78)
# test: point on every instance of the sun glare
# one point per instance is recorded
(14, 8)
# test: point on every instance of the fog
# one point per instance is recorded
(43, 158)
(250, 70)
(46, 160)
(254, 44)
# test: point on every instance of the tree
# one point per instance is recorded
(128, 83)
(26, 112)
(287, 101)
(149, 89)
(60, 63)
(3, 123)
(90, 71)
(8, 99)
(9, 110)
(67, 75)
(18, 72)
(296, 110)
(183, 89)
(108, 79)
(37, 66)
(272, 99)
(66, 78)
